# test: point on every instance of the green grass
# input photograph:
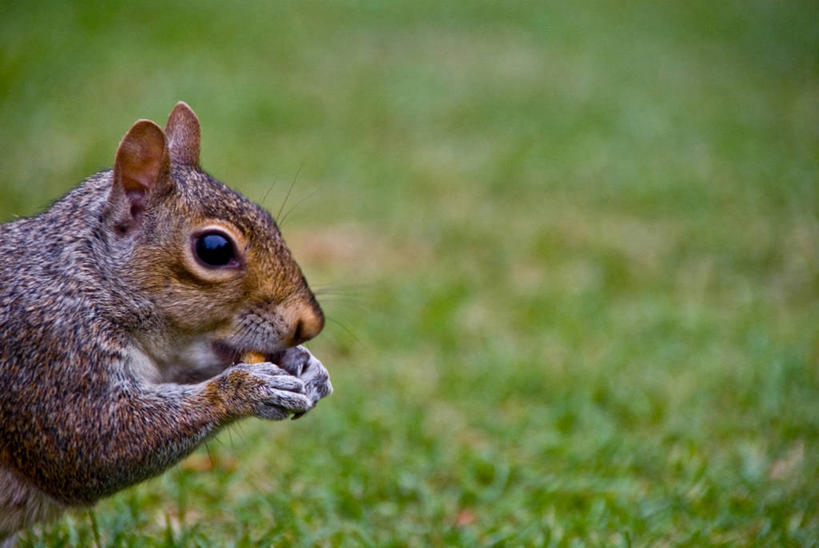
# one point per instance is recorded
(572, 255)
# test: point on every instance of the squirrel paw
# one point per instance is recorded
(299, 362)
(266, 391)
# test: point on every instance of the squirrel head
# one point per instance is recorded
(212, 264)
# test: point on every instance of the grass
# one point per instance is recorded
(570, 255)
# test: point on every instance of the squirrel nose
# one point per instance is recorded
(306, 319)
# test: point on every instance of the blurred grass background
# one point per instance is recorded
(570, 254)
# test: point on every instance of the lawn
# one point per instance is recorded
(569, 256)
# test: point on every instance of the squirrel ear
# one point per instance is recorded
(183, 135)
(141, 169)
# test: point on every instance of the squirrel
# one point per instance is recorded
(128, 310)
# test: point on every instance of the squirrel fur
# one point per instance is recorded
(119, 343)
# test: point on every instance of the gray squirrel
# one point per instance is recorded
(129, 311)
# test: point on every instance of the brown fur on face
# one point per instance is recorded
(263, 304)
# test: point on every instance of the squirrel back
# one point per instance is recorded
(125, 311)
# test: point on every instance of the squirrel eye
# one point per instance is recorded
(215, 249)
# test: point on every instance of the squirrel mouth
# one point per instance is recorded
(232, 355)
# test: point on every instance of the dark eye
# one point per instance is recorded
(215, 249)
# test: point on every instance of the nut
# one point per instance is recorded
(253, 357)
